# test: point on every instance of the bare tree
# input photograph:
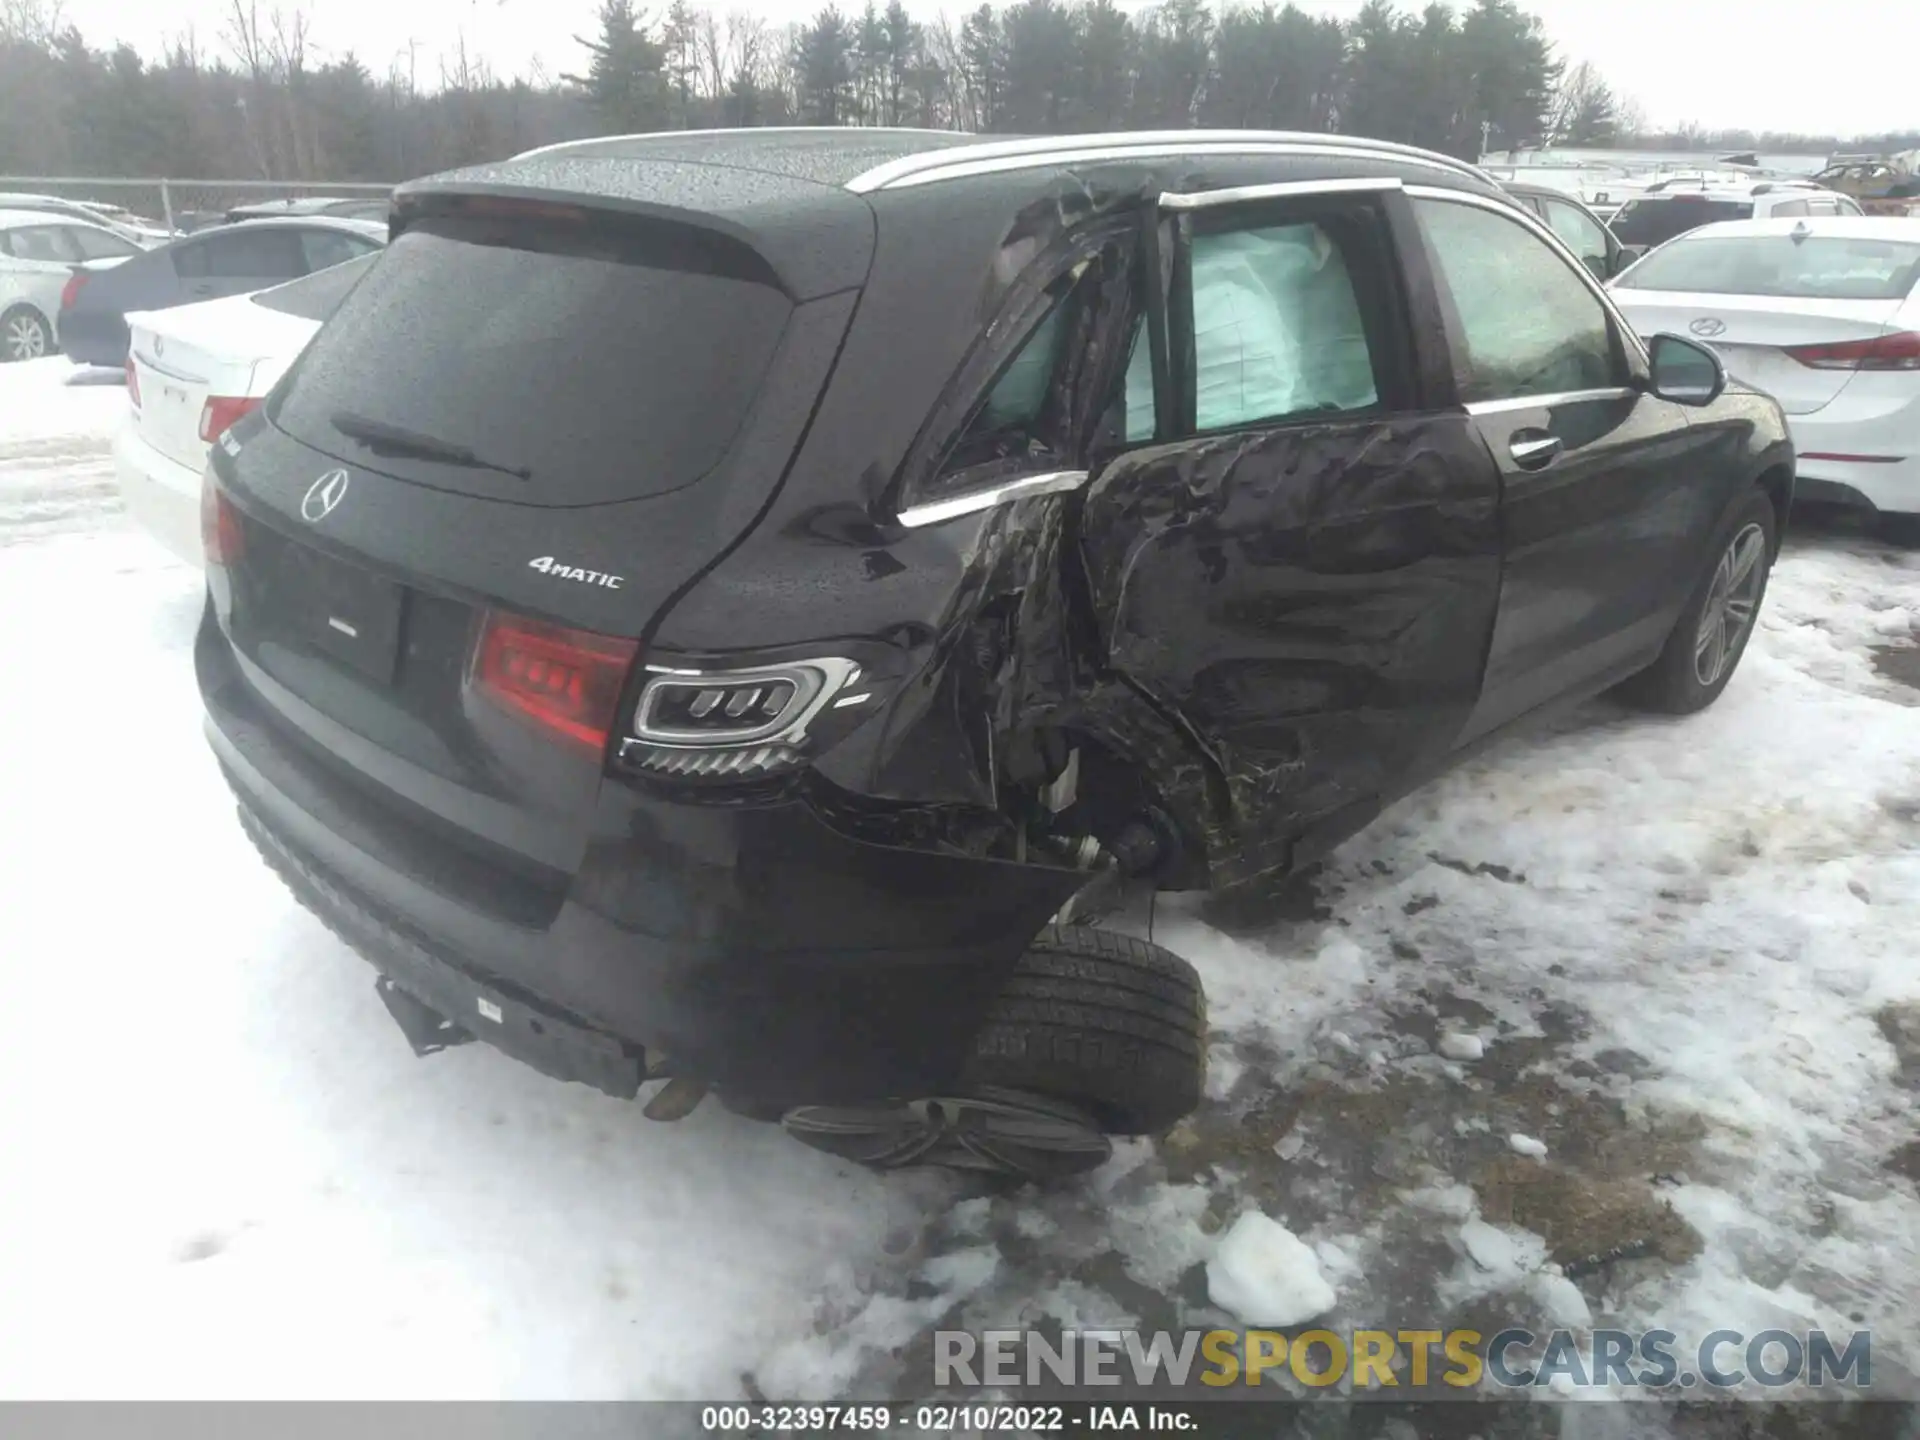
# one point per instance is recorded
(286, 45)
(713, 56)
(33, 23)
(465, 78)
(247, 40)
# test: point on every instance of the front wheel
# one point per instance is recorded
(1712, 632)
(24, 334)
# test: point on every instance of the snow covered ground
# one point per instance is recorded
(1680, 956)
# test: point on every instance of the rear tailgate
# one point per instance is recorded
(626, 400)
(1751, 333)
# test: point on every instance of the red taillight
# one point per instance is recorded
(219, 413)
(72, 288)
(133, 383)
(221, 538)
(565, 681)
(1897, 351)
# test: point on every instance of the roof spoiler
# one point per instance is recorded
(428, 196)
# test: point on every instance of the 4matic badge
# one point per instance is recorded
(547, 565)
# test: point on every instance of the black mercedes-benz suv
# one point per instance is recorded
(727, 608)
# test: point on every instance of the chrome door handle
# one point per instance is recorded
(1535, 452)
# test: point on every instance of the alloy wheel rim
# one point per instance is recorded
(25, 339)
(1732, 598)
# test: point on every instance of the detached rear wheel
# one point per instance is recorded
(1110, 1024)
(1713, 629)
(1093, 1035)
(24, 334)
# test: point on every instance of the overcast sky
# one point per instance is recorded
(1841, 66)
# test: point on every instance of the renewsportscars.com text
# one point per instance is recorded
(1362, 1361)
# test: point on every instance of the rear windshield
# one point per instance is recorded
(576, 363)
(1818, 268)
(1655, 220)
(316, 296)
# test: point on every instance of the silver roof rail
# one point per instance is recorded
(996, 156)
(591, 140)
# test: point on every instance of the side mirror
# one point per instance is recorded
(1685, 372)
(1620, 261)
(1631, 253)
(1597, 264)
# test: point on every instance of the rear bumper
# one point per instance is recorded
(1893, 488)
(91, 338)
(162, 495)
(755, 947)
(1878, 420)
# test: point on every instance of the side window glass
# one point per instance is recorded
(100, 244)
(190, 261)
(1008, 423)
(1019, 395)
(324, 249)
(45, 243)
(1277, 330)
(256, 255)
(1529, 324)
(1792, 207)
(1582, 235)
(1142, 420)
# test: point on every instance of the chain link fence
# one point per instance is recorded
(169, 204)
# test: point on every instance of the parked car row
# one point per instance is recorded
(67, 281)
(230, 260)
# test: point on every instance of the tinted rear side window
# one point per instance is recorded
(315, 297)
(243, 254)
(1655, 221)
(609, 364)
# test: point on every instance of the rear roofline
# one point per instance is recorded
(817, 239)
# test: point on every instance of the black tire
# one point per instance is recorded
(24, 334)
(1898, 529)
(1105, 1021)
(1674, 684)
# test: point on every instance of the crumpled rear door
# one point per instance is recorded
(1309, 588)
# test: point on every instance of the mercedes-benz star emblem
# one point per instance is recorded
(1708, 327)
(323, 495)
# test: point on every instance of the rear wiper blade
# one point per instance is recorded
(379, 436)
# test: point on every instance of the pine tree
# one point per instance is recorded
(625, 85)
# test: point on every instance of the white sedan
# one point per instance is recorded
(1822, 314)
(192, 371)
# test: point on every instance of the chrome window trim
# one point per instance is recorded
(995, 157)
(1547, 402)
(933, 512)
(1539, 227)
(1246, 194)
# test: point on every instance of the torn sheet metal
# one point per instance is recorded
(1315, 603)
